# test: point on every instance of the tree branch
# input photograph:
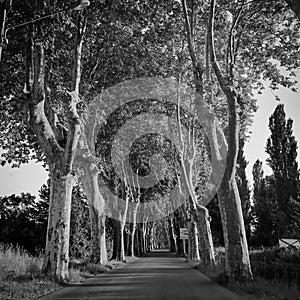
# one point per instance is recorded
(215, 64)
(72, 114)
(231, 41)
(197, 69)
(35, 78)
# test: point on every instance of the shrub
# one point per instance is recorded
(280, 263)
(15, 262)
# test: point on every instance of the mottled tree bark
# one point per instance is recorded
(237, 257)
(3, 13)
(199, 213)
(173, 240)
(133, 234)
(89, 179)
(59, 150)
(56, 258)
(193, 241)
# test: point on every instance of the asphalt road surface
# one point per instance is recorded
(159, 275)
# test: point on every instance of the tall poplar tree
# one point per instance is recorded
(282, 150)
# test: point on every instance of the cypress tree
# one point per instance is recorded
(282, 150)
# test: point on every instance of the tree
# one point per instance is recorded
(80, 223)
(282, 149)
(23, 221)
(244, 190)
(49, 109)
(229, 71)
(263, 208)
(237, 256)
(216, 222)
(123, 40)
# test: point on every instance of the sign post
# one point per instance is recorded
(183, 237)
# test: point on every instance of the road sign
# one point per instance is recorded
(289, 243)
(183, 233)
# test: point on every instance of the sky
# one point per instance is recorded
(255, 147)
(30, 177)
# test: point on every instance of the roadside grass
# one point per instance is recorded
(266, 289)
(275, 275)
(21, 276)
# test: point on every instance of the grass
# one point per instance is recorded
(275, 288)
(21, 276)
(266, 289)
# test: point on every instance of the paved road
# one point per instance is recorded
(159, 276)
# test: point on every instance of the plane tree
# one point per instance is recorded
(50, 71)
(232, 47)
(54, 68)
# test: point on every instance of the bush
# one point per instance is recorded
(280, 263)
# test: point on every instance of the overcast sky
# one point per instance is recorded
(30, 177)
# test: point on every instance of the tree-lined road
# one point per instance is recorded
(159, 275)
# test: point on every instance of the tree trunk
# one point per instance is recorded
(56, 261)
(89, 180)
(137, 241)
(152, 243)
(237, 256)
(128, 243)
(191, 240)
(148, 237)
(193, 244)
(144, 227)
(3, 13)
(122, 240)
(102, 239)
(59, 148)
(205, 237)
(237, 259)
(201, 218)
(140, 240)
(173, 240)
(117, 241)
(95, 249)
(133, 238)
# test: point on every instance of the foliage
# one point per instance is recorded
(123, 41)
(276, 274)
(281, 264)
(216, 223)
(80, 235)
(23, 221)
(137, 38)
(160, 235)
(263, 208)
(282, 150)
(276, 197)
